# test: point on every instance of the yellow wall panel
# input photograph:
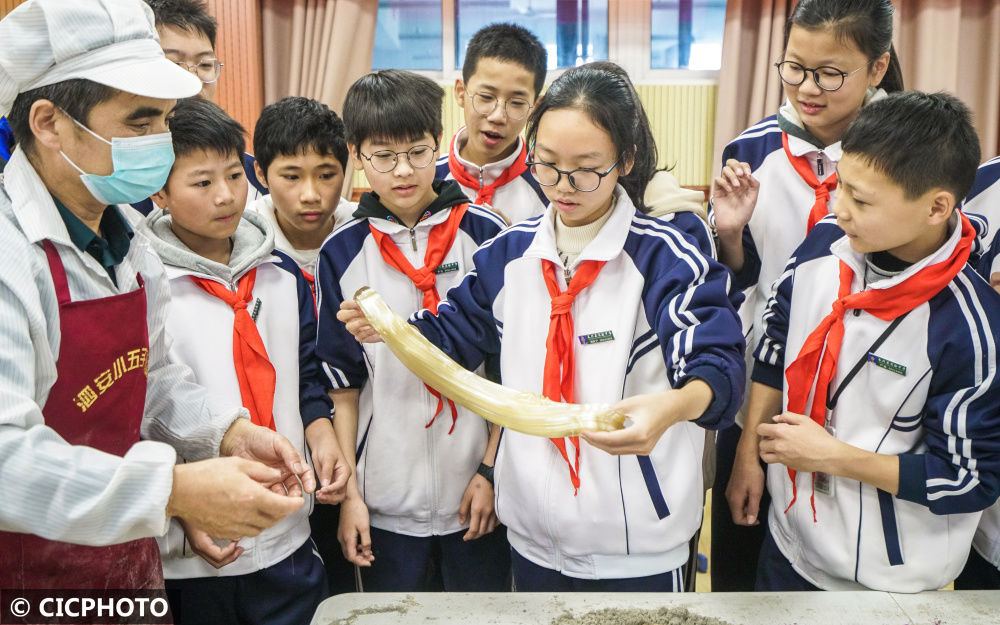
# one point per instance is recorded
(682, 118)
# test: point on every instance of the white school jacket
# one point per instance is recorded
(657, 315)
(928, 392)
(411, 477)
(519, 199)
(202, 328)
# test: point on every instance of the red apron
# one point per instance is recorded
(97, 400)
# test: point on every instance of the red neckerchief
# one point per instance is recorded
(254, 370)
(439, 242)
(820, 208)
(484, 194)
(557, 383)
(808, 370)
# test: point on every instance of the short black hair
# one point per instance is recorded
(920, 141)
(199, 124)
(294, 125)
(77, 97)
(392, 105)
(189, 15)
(507, 42)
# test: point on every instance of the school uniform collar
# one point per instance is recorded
(841, 248)
(490, 171)
(801, 141)
(371, 208)
(608, 243)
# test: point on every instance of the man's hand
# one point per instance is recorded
(799, 443)
(477, 508)
(203, 545)
(331, 467)
(260, 444)
(356, 323)
(229, 497)
(354, 533)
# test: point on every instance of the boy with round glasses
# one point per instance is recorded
(503, 73)
(419, 514)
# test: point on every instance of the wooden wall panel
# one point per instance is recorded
(6, 6)
(238, 46)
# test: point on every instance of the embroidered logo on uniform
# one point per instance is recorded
(888, 365)
(446, 268)
(596, 337)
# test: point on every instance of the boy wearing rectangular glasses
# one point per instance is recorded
(419, 514)
(503, 73)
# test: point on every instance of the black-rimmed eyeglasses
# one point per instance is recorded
(826, 77)
(384, 161)
(584, 179)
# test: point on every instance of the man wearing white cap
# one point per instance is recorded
(84, 372)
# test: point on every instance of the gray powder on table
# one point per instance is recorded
(614, 616)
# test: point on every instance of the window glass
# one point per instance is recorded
(572, 31)
(686, 34)
(408, 35)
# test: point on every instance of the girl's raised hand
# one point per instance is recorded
(734, 195)
(356, 323)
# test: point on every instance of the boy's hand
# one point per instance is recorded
(331, 467)
(203, 545)
(799, 443)
(253, 442)
(356, 323)
(477, 508)
(746, 482)
(734, 195)
(354, 532)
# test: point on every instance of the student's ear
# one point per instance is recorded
(440, 136)
(48, 124)
(942, 205)
(460, 92)
(879, 68)
(261, 176)
(628, 161)
(354, 151)
(160, 198)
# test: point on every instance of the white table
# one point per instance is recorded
(803, 608)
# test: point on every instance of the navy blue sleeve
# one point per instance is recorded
(251, 174)
(959, 470)
(6, 139)
(314, 403)
(342, 357)
(686, 299)
(464, 326)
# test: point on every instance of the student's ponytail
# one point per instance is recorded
(866, 23)
(608, 98)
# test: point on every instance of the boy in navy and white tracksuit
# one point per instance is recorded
(667, 309)
(503, 73)
(983, 202)
(420, 503)
(889, 495)
(243, 318)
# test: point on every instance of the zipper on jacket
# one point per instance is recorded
(413, 238)
(819, 164)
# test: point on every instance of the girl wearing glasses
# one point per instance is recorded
(594, 301)
(776, 183)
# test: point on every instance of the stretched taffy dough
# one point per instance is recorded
(521, 411)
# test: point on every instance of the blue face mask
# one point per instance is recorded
(141, 167)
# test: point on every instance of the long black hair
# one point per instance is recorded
(610, 101)
(867, 23)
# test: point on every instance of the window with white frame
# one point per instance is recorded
(652, 39)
